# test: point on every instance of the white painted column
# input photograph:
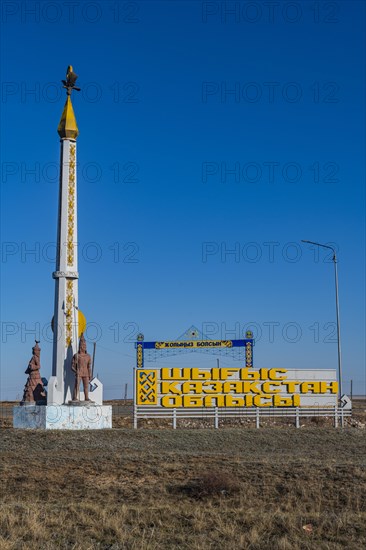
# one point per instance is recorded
(65, 322)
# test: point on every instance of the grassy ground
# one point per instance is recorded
(188, 489)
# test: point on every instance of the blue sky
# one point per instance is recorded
(175, 96)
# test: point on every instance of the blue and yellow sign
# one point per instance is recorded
(243, 386)
(246, 343)
(195, 344)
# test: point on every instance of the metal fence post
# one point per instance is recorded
(134, 400)
(216, 417)
(257, 418)
(135, 416)
(174, 419)
(297, 422)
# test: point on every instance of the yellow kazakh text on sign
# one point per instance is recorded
(224, 387)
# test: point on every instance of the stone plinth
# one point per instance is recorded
(63, 417)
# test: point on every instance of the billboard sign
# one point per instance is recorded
(235, 387)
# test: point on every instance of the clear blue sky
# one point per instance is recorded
(159, 134)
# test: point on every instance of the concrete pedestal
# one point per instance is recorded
(63, 417)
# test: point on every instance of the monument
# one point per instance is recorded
(81, 367)
(67, 407)
(34, 391)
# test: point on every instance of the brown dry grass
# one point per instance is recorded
(190, 489)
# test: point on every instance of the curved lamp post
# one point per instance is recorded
(340, 393)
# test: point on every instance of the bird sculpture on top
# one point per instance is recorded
(69, 83)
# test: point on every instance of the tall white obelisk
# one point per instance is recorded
(62, 412)
(65, 320)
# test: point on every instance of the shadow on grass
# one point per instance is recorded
(214, 483)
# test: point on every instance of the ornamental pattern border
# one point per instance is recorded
(248, 355)
(69, 306)
(147, 387)
(140, 356)
(71, 206)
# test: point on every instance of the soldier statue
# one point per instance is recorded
(81, 366)
(34, 392)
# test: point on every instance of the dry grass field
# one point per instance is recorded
(153, 489)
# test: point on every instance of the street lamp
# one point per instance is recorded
(337, 311)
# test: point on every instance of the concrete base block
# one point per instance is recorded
(63, 417)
